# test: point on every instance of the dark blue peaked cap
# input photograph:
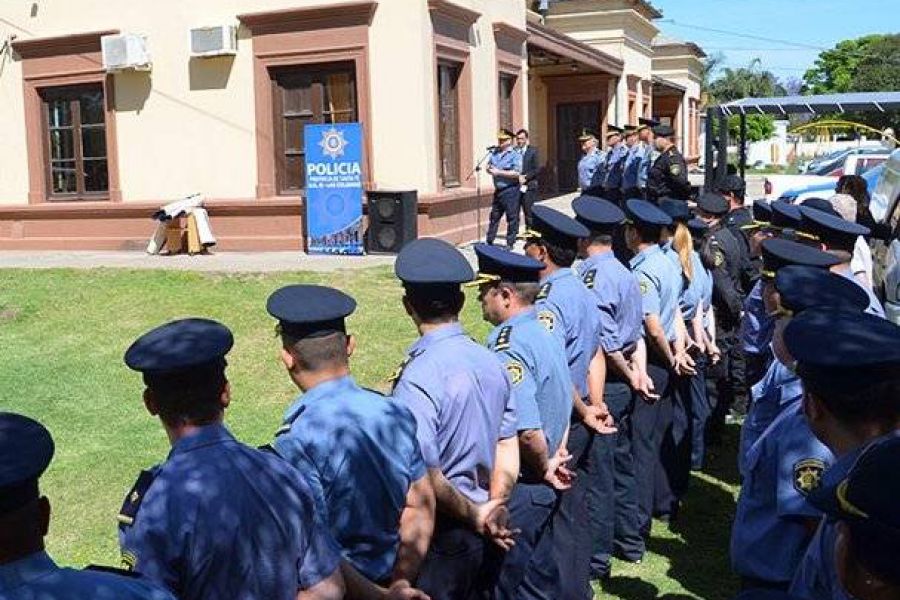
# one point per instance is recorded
(555, 227)
(597, 214)
(429, 261)
(833, 231)
(784, 215)
(180, 346)
(499, 264)
(778, 253)
(762, 211)
(677, 209)
(843, 349)
(819, 204)
(697, 227)
(641, 212)
(802, 287)
(306, 311)
(713, 203)
(26, 449)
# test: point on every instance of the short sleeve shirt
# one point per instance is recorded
(757, 327)
(587, 167)
(618, 296)
(660, 286)
(506, 160)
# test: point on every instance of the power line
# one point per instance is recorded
(742, 35)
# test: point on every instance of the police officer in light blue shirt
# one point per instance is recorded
(505, 166)
(26, 570)
(461, 397)
(536, 363)
(702, 284)
(589, 167)
(631, 168)
(217, 519)
(360, 446)
(852, 406)
(649, 154)
(616, 152)
(618, 298)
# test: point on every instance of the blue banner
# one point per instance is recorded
(334, 188)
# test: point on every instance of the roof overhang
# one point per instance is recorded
(560, 45)
(825, 103)
(664, 87)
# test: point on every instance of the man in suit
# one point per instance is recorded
(528, 178)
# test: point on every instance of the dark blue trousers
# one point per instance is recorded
(673, 470)
(460, 564)
(700, 411)
(531, 509)
(627, 541)
(506, 201)
(648, 422)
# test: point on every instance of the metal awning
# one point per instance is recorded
(821, 104)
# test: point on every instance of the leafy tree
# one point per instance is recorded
(835, 69)
(759, 127)
(747, 82)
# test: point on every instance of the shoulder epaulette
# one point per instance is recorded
(132, 503)
(589, 278)
(503, 337)
(544, 291)
(398, 372)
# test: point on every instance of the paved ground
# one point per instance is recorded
(245, 261)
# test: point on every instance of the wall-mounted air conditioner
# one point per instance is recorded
(213, 41)
(125, 51)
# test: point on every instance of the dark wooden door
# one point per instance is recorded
(570, 120)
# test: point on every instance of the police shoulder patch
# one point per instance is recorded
(644, 285)
(516, 371)
(547, 319)
(675, 169)
(503, 337)
(808, 475)
(590, 278)
(544, 292)
(132, 503)
(718, 258)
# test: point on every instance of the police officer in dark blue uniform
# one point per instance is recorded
(461, 397)
(217, 519)
(360, 446)
(618, 297)
(668, 175)
(26, 570)
(850, 367)
(505, 166)
(536, 363)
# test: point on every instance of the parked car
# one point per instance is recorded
(857, 162)
(825, 190)
(885, 207)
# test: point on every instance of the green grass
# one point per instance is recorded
(63, 334)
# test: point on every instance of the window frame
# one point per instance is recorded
(509, 101)
(442, 172)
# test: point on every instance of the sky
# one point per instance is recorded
(787, 35)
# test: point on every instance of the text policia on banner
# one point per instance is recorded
(334, 188)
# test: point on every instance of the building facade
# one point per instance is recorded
(89, 154)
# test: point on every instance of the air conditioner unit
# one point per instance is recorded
(214, 41)
(125, 51)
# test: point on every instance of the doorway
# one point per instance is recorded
(571, 118)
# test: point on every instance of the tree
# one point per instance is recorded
(747, 82)
(834, 70)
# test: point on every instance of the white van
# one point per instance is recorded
(885, 207)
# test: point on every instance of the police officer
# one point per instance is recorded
(505, 166)
(536, 363)
(568, 309)
(668, 175)
(738, 220)
(725, 383)
(631, 167)
(659, 282)
(217, 519)
(852, 391)
(460, 395)
(839, 237)
(616, 153)
(862, 508)
(756, 325)
(26, 570)
(649, 154)
(774, 520)
(618, 297)
(590, 173)
(358, 445)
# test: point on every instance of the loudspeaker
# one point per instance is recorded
(392, 220)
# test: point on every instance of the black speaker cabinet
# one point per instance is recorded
(392, 221)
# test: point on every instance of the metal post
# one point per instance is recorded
(742, 151)
(708, 166)
(722, 162)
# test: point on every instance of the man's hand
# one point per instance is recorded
(684, 364)
(647, 390)
(492, 522)
(402, 590)
(599, 420)
(715, 355)
(558, 475)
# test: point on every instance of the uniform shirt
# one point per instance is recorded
(660, 286)
(587, 168)
(705, 283)
(536, 364)
(569, 310)
(689, 297)
(362, 448)
(778, 388)
(874, 307)
(506, 160)
(37, 577)
(757, 327)
(697, 288)
(735, 220)
(768, 537)
(460, 395)
(648, 157)
(668, 176)
(728, 263)
(618, 297)
(615, 161)
(223, 520)
(631, 168)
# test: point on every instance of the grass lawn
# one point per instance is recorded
(63, 334)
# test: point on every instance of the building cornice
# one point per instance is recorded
(78, 43)
(344, 14)
(511, 32)
(449, 9)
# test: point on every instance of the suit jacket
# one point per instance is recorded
(531, 166)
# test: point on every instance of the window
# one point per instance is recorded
(75, 142)
(507, 83)
(448, 100)
(307, 95)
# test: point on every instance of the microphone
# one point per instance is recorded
(492, 148)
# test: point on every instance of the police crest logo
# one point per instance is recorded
(544, 291)
(718, 258)
(516, 371)
(675, 170)
(589, 278)
(547, 319)
(645, 287)
(333, 143)
(808, 475)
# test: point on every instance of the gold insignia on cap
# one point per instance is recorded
(808, 475)
(516, 371)
(845, 504)
(481, 279)
(547, 319)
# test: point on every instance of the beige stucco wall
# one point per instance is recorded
(189, 125)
